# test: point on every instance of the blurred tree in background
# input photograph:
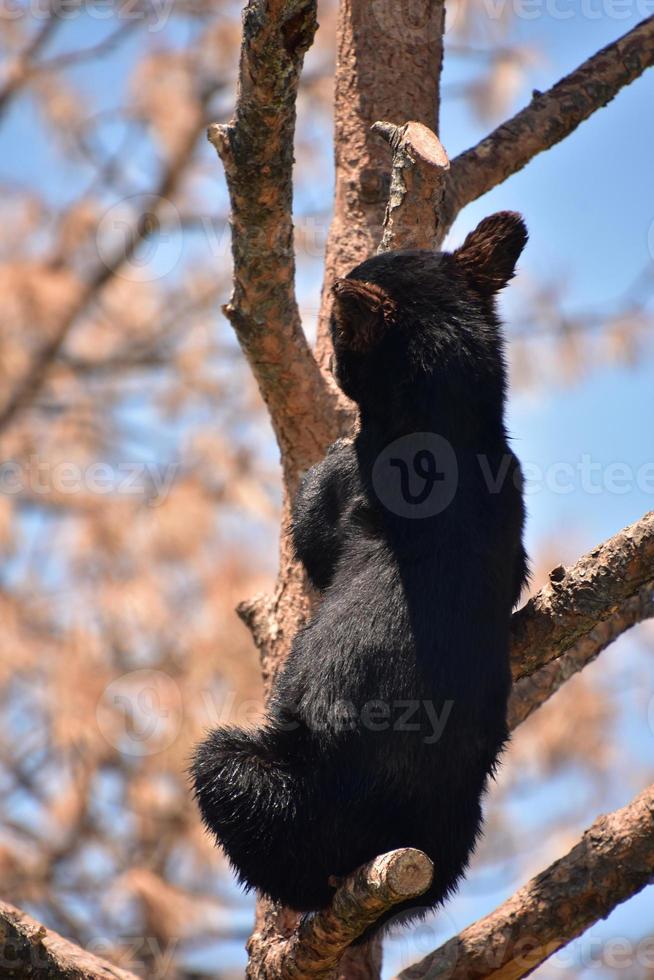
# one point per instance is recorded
(140, 495)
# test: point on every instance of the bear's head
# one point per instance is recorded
(416, 333)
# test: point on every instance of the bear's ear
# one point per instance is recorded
(363, 313)
(489, 254)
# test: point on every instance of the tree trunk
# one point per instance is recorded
(388, 67)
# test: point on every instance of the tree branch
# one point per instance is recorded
(19, 72)
(577, 615)
(530, 692)
(28, 949)
(578, 598)
(613, 861)
(418, 176)
(313, 952)
(584, 608)
(364, 41)
(37, 373)
(549, 118)
(256, 149)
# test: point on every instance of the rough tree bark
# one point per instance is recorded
(530, 692)
(613, 861)
(28, 950)
(576, 599)
(256, 149)
(388, 68)
(315, 950)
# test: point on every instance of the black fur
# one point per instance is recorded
(389, 715)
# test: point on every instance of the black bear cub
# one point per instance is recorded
(389, 714)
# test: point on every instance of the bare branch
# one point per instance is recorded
(549, 118)
(578, 598)
(80, 55)
(19, 72)
(28, 949)
(530, 692)
(418, 175)
(574, 617)
(36, 375)
(315, 949)
(257, 152)
(613, 861)
(252, 156)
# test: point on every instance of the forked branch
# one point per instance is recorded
(315, 949)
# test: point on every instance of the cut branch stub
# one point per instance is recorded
(419, 171)
(315, 949)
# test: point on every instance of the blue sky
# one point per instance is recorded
(589, 206)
